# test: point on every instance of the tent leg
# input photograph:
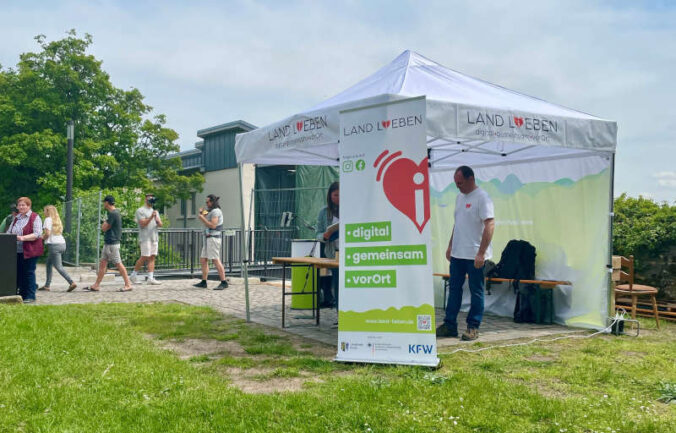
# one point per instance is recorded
(611, 205)
(244, 259)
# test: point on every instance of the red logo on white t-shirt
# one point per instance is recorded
(468, 205)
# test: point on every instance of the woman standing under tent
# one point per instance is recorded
(327, 232)
(27, 226)
(53, 237)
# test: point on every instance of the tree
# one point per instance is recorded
(647, 230)
(117, 142)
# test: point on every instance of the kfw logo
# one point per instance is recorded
(420, 348)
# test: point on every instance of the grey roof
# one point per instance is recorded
(185, 153)
(237, 124)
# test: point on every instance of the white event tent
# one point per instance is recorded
(514, 142)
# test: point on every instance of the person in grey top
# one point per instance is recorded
(329, 216)
(112, 228)
(212, 218)
(148, 221)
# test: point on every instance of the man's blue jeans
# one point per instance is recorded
(460, 268)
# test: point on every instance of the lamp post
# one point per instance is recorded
(70, 135)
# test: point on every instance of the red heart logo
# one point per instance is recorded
(386, 123)
(468, 205)
(518, 121)
(299, 126)
(406, 186)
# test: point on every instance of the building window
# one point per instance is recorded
(183, 207)
(193, 204)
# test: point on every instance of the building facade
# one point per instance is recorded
(214, 157)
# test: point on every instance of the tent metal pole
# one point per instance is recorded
(243, 245)
(519, 150)
(525, 161)
(457, 152)
(316, 154)
(611, 215)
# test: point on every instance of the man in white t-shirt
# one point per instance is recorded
(148, 222)
(468, 249)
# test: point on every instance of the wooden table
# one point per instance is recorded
(313, 262)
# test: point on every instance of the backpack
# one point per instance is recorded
(517, 261)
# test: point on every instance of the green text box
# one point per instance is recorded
(379, 231)
(381, 278)
(386, 255)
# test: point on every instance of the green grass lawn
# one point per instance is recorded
(101, 368)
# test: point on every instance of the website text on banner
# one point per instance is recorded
(386, 311)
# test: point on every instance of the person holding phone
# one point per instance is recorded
(212, 218)
(148, 220)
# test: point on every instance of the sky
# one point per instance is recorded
(205, 63)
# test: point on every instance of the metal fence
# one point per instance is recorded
(281, 216)
(179, 250)
(84, 239)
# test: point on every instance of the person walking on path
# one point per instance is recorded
(112, 228)
(468, 249)
(212, 218)
(52, 235)
(27, 226)
(148, 222)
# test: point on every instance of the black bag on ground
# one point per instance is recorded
(525, 307)
(533, 304)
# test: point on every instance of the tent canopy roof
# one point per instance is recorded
(412, 74)
(469, 121)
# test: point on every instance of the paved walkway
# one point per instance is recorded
(265, 306)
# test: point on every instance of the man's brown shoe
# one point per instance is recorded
(470, 334)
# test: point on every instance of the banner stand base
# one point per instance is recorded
(436, 363)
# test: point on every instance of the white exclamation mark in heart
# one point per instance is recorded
(418, 179)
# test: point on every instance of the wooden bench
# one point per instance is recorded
(543, 284)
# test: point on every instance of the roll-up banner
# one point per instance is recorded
(386, 302)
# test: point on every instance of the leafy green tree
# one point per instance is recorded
(647, 230)
(119, 143)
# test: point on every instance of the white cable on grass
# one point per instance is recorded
(618, 316)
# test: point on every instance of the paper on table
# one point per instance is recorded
(332, 228)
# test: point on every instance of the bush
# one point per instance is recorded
(647, 230)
